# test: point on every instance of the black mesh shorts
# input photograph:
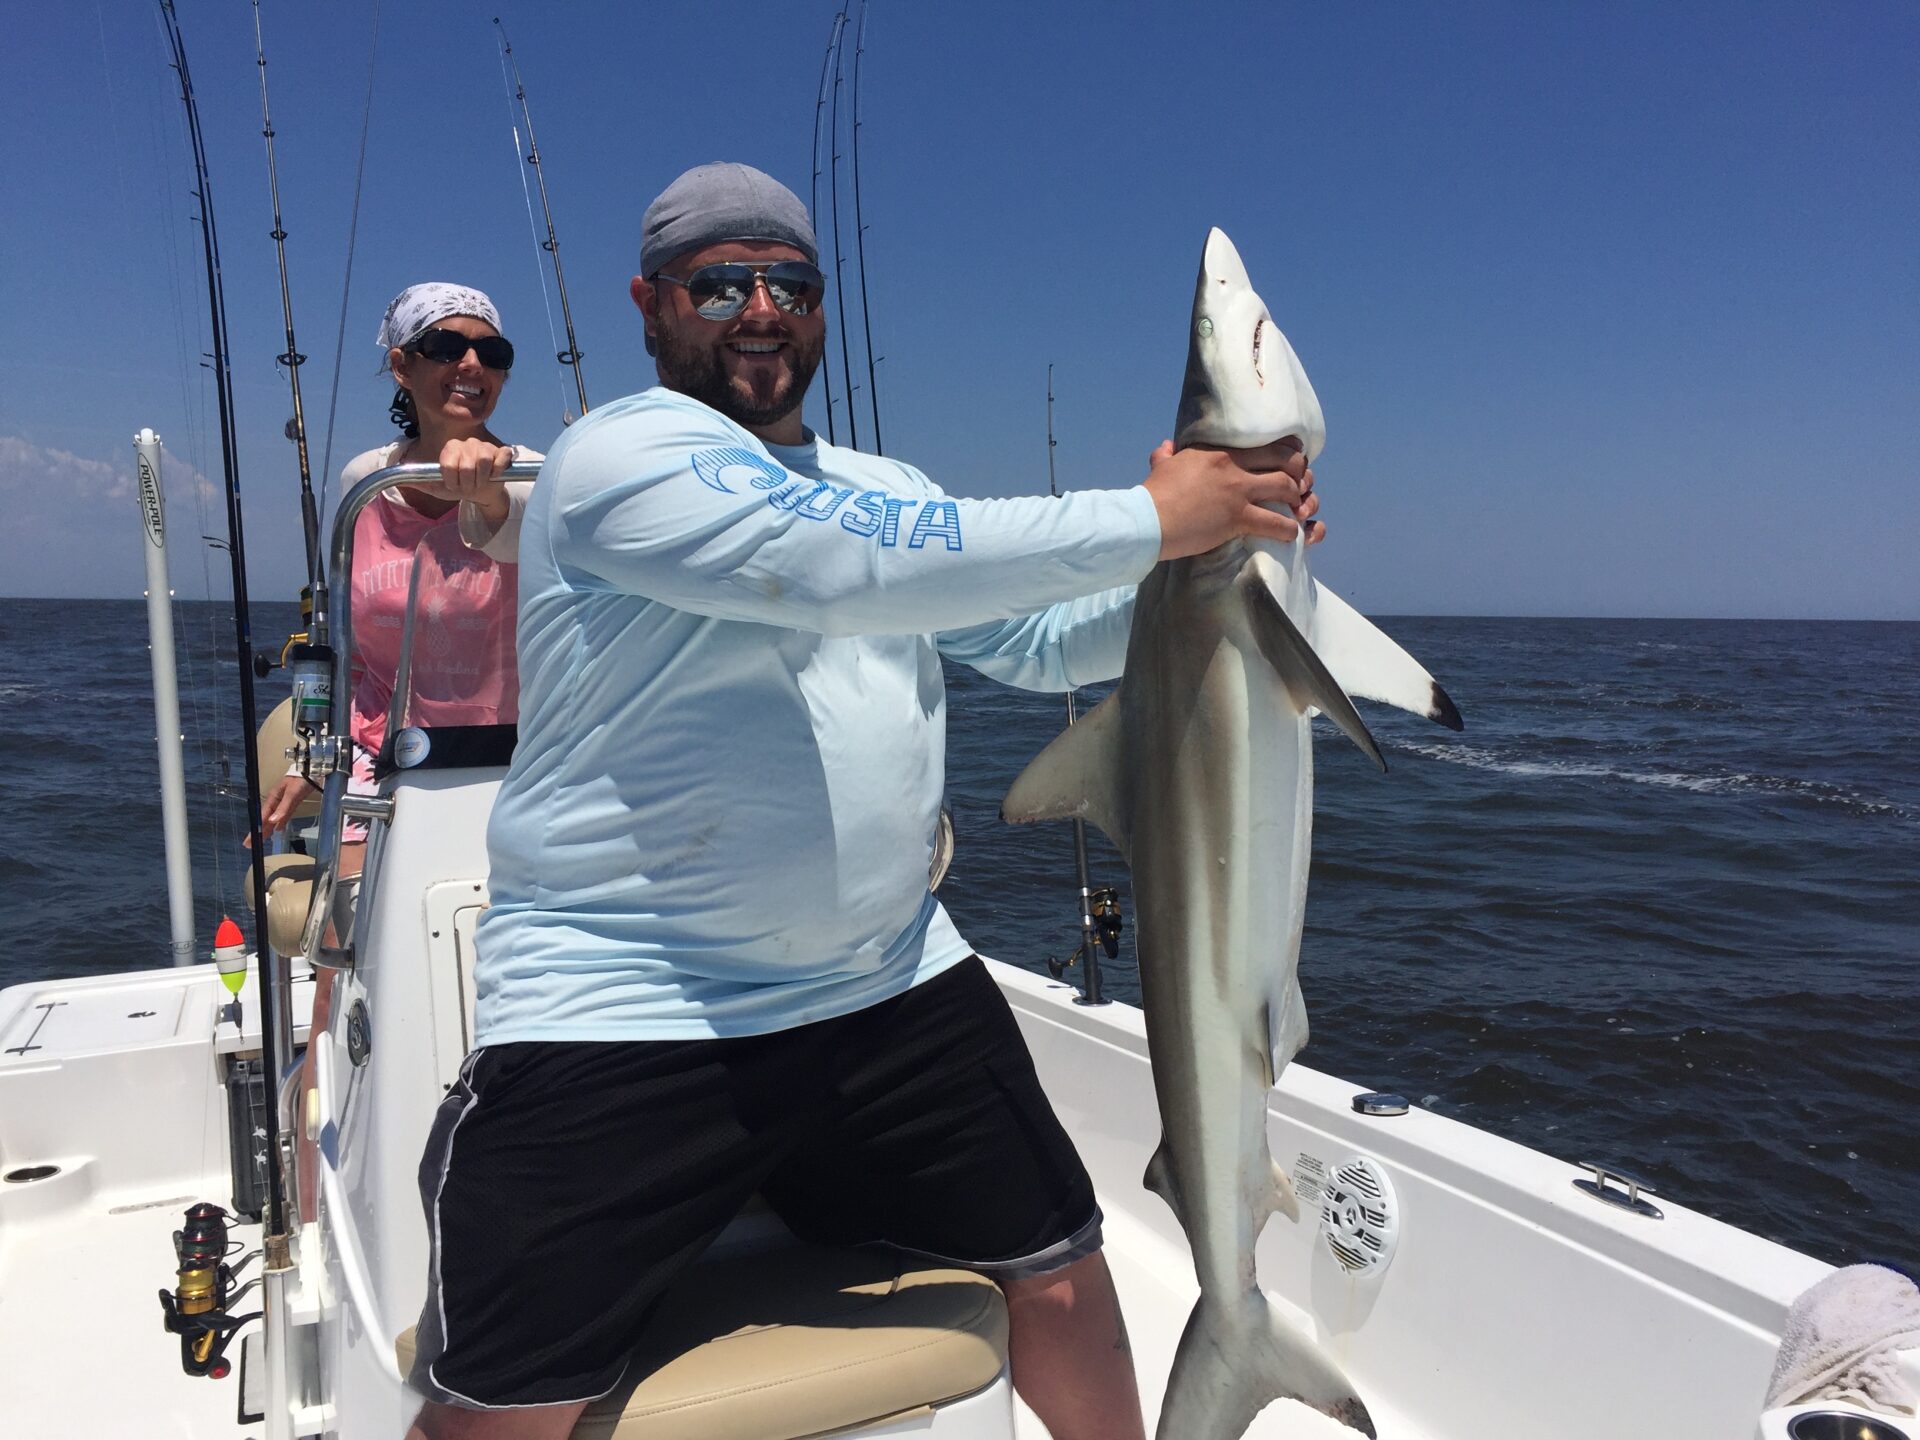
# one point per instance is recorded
(566, 1185)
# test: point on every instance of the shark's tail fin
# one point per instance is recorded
(1235, 1357)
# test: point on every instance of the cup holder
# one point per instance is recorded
(1839, 1425)
(26, 1174)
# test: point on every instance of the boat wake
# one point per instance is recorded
(1727, 783)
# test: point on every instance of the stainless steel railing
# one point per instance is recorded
(330, 752)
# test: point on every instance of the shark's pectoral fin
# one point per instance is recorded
(1284, 1026)
(1300, 670)
(1076, 777)
(1285, 1201)
(1368, 664)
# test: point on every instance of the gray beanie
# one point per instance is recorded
(722, 201)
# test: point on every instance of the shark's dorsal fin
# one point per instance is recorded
(1074, 778)
(1368, 664)
(1292, 658)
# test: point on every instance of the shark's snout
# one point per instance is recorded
(1244, 385)
(1221, 263)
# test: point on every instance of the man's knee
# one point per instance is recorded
(1084, 1280)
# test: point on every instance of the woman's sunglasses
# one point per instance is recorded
(720, 292)
(449, 347)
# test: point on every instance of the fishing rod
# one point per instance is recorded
(1100, 919)
(860, 234)
(571, 355)
(276, 1031)
(813, 202)
(291, 358)
(839, 259)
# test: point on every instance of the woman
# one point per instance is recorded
(450, 363)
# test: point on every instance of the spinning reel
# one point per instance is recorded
(1104, 927)
(197, 1307)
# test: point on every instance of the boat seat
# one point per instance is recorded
(289, 877)
(800, 1341)
(289, 894)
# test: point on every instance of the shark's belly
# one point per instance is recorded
(1221, 831)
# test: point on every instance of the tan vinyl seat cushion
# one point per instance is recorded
(800, 1341)
(289, 893)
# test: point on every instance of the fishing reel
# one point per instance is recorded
(1104, 905)
(1106, 925)
(265, 665)
(198, 1307)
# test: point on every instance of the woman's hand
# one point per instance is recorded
(1208, 497)
(470, 471)
(278, 804)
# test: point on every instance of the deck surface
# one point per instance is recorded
(90, 1276)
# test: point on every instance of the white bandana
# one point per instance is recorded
(419, 306)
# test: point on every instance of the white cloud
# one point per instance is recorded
(29, 469)
(72, 523)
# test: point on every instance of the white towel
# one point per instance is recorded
(1842, 1339)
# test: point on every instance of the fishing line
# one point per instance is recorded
(197, 729)
(539, 270)
(839, 259)
(113, 110)
(353, 233)
(291, 359)
(533, 229)
(813, 203)
(174, 603)
(208, 751)
(276, 1023)
(213, 762)
(860, 234)
(571, 355)
(192, 404)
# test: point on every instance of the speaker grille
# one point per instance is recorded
(1359, 1215)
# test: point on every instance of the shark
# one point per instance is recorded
(1199, 767)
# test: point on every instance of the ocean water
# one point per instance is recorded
(1659, 905)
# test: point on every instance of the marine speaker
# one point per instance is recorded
(1360, 1216)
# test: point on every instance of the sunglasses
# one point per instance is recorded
(720, 292)
(449, 347)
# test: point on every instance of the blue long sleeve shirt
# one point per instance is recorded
(721, 812)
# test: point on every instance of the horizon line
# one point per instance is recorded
(1384, 614)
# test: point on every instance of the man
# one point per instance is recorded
(713, 967)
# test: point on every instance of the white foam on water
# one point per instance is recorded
(1738, 782)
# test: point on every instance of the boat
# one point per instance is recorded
(1471, 1286)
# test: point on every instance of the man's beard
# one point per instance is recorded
(700, 372)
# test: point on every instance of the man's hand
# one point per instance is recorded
(468, 471)
(1208, 497)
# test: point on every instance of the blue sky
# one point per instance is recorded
(1612, 308)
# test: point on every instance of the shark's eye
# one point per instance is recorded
(1206, 327)
(1259, 332)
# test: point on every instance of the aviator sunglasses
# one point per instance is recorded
(448, 347)
(720, 292)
